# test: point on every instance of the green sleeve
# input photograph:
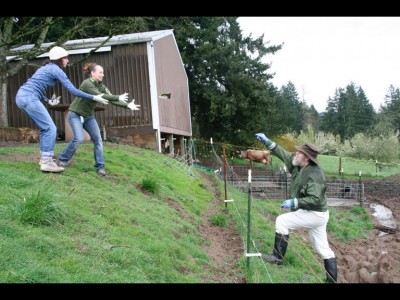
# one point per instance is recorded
(114, 99)
(284, 156)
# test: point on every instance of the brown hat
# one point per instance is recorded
(310, 150)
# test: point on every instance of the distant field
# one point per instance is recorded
(350, 166)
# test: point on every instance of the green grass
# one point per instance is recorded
(138, 224)
(331, 166)
(219, 220)
(39, 208)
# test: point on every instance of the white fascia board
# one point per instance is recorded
(70, 52)
(94, 42)
(82, 51)
(153, 91)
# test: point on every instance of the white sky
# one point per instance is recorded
(321, 54)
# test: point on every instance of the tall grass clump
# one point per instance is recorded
(151, 185)
(219, 220)
(39, 208)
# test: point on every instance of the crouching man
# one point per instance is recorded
(309, 209)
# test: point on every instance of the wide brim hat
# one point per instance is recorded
(310, 150)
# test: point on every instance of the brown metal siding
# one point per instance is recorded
(126, 70)
(171, 78)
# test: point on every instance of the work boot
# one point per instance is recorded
(281, 242)
(331, 270)
(49, 165)
(63, 164)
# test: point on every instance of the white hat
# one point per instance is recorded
(57, 53)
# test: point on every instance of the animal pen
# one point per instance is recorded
(274, 184)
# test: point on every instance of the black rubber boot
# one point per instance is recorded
(281, 242)
(331, 270)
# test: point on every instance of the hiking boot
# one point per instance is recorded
(49, 165)
(101, 172)
(63, 164)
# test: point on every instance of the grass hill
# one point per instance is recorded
(139, 224)
(145, 222)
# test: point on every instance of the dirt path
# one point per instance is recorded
(223, 245)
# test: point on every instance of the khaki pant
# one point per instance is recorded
(315, 223)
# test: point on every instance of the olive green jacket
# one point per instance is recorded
(308, 184)
(85, 107)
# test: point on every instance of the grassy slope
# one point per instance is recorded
(113, 231)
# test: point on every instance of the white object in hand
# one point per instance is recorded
(133, 106)
(123, 97)
(54, 100)
(100, 99)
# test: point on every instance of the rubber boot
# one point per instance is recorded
(331, 270)
(281, 242)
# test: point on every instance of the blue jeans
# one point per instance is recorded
(91, 126)
(30, 104)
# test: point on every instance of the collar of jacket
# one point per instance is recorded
(94, 81)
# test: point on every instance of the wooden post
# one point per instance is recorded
(224, 154)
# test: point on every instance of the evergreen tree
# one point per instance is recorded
(290, 108)
(310, 117)
(348, 113)
(389, 112)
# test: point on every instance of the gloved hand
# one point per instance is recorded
(99, 99)
(133, 106)
(123, 97)
(54, 100)
(288, 203)
(267, 142)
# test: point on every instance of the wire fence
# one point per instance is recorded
(268, 184)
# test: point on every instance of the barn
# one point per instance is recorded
(147, 65)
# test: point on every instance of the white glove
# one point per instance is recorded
(54, 100)
(123, 97)
(99, 99)
(133, 106)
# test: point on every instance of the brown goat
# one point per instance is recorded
(256, 156)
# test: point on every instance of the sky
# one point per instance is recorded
(322, 54)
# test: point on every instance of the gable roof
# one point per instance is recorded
(82, 45)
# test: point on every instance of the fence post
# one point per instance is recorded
(224, 154)
(193, 152)
(248, 217)
(360, 194)
(285, 181)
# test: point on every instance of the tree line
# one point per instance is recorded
(231, 94)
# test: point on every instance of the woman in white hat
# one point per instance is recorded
(32, 92)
